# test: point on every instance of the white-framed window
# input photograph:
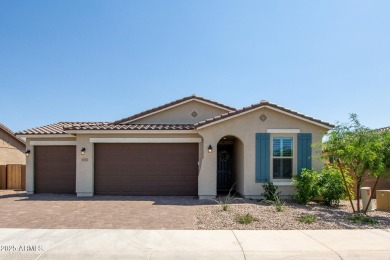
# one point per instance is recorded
(282, 157)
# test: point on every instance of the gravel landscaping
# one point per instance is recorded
(267, 218)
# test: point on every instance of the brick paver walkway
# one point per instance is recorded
(19, 210)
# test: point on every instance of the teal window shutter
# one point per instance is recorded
(263, 158)
(304, 151)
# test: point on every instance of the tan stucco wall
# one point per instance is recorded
(239, 154)
(11, 150)
(84, 166)
(182, 114)
(245, 128)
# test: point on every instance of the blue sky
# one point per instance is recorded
(104, 60)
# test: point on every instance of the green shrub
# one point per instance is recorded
(306, 184)
(332, 188)
(271, 192)
(328, 184)
(245, 218)
(360, 218)
(308, 219)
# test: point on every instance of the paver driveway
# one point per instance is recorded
(19, 210)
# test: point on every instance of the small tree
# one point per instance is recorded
(365, 152)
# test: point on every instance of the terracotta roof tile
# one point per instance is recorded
(11, 133)
(63, 127)
(54, 129)
(263, 103)
(130, 127)
(156, 109)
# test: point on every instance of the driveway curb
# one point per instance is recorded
(193, 244)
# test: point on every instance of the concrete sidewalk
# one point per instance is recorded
(193, 244)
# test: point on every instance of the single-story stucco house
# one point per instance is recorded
(192, 146)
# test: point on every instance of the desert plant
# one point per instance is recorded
(307, 219)
(306, 184)
(278, 204)
(270, 191)
(332, 188)
(360, 218)
(225, 201)
(245, 218)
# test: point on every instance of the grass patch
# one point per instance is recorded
(360, 218)
(308, 219)
(245, 218)
(225, 202)
(278, 204)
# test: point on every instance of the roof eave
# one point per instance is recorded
(12, 134)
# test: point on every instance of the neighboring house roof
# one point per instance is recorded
(11, 133)
(384, 129)
(130, 127)
(263, 103)
(172, 104)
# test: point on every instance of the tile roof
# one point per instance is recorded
(156, 109)
(62, 127)
(11, 133)
(53, 129)
(263, 103)
(130, 127)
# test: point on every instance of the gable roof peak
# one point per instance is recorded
(172, 104)
(263, 103)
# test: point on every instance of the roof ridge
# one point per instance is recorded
(167, 105)
(257, 105)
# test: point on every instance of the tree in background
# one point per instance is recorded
(364, 151)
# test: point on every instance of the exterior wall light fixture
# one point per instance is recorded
(27, 152)
(210, 149)
(83, 151)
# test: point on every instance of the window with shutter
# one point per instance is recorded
(282, 157)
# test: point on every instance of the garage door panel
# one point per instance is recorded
(146, 169)
(55, 169)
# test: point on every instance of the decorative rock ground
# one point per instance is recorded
(213, 217)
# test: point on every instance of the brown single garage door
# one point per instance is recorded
(146, 169)
(55, 169)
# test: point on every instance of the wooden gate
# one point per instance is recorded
(13, 177)
(3, 177)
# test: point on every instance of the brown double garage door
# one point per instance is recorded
(121, 169)
(146, 169)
